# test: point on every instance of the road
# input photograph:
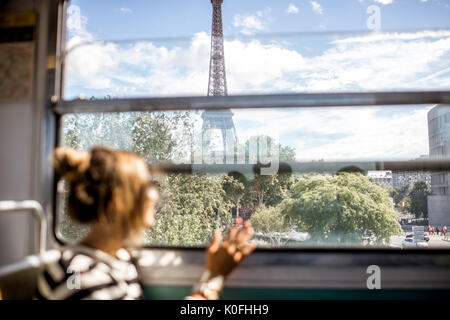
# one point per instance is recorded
(436, 242)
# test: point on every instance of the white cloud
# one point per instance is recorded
(342, 133)
(377, 61)
(252, 22)
(384, 2)
(316, 7)
(126, 10)
(292, 9)
(76, 26)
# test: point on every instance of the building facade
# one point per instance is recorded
(402, 178)
(382, 177)
(439, 144)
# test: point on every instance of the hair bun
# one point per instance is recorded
(70, 163)
(101, 166)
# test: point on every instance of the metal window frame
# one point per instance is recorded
(259, 101)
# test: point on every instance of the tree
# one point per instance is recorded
(267, 190)
(83, 131)
(418, 195)
(287, 153)
(269, 220)
(190, 209)
(342, 209)
(399, 194)
(234, 185)
(155, 136)
(160, 136)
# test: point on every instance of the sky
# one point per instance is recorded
(161, 48)
(180, 18)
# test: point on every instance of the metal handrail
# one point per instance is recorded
(31, 261)
(36, 209)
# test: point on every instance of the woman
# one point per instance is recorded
(114, 193)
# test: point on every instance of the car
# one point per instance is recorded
(426, 237)
(421, 244)
(409, 243)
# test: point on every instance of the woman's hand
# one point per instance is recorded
(223, 256)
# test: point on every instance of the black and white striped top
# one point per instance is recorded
(86, 273)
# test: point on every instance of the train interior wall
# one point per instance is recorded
(21, 128)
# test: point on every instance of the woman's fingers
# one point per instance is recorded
(231, 248)
(235, 228)
(245, 234)
(232, 233)
(215, 243)
(248, 249)
(237, 256)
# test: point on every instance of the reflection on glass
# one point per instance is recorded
(350, 204)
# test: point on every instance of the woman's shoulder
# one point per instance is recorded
(87, 273)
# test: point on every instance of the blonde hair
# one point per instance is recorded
(105, 185)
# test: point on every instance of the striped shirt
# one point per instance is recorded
(86, 273)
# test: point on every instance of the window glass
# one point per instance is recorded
(310, 203)
(268, 47)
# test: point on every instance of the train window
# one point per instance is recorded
(260, 64)
(317, 183)
(296, 135)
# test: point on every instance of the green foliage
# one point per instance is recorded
(71, 230)
(67, 227)
(342, 209)
(334, 209)
(233, 186)
(270, 219)
(399, 194)
(272, 223)
(83, 131)
(266, 190)
(418, 204)
(258, 190)
(287, 153)
(191, 208)
(155, 136)
(160, 136)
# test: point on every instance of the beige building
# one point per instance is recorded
(439, 144)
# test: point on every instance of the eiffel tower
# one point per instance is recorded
(221, 120)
